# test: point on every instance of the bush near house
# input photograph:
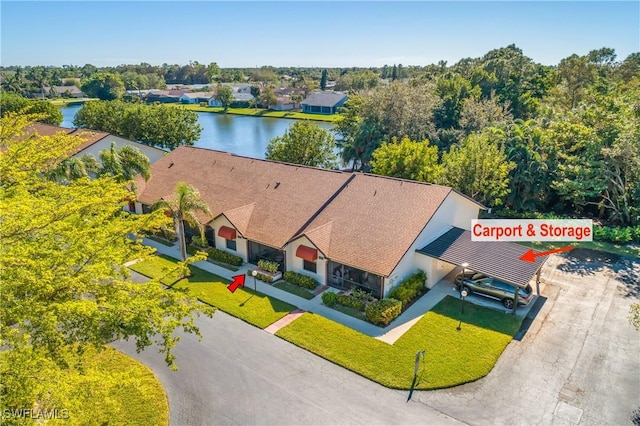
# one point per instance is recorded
(301, 280)
(329, 298)
(261, 277)
(383, 311)
(623, 234)
(223, 256)
(409, 289)
(199, 241)
(269, 266)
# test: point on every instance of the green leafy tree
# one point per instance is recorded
(479, 169)
(183, 207)
(44, 111)
(407, 159)
(225, 96)
(163, 126)
(303, 143)
(255, 92)
(268, 98)
(74, 168)
(104, 86)
(323, 80)
(64, 286)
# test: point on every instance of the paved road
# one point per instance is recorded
(577, 364)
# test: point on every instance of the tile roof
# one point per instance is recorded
(328, 99)
(374, 220)
(246, 190)
(500, 260)
(89, 136)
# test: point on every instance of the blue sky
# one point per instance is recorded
(322, 34)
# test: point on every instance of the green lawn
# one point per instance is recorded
(260, 112)
(452, 357)
(63, 102)
(294, 289)
(606, 247)
(254, 308)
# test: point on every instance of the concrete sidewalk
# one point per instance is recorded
(387, 334)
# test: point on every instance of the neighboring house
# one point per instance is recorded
(320, 102)
(345, 229)
(65, 92)
(164, 96)
(284, 103)
(95, 141)
(196, 97)
(240, 100)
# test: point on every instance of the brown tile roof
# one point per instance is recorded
(500, 260)
(374, 221)
(90, 137)
(46, 130)
(246, 190)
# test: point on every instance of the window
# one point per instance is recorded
(309, 266)
(132, 207)
(146, 209)
(231, 245)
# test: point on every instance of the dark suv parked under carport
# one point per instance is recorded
(490, 287)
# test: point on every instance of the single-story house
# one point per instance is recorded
(65, 92)
(195, 97)
(323, 102)
(95, 141)
(164, 96)
(344, 229)
(240, 100)
(284, 103)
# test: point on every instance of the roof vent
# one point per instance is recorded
(170, 165)
(277, 184)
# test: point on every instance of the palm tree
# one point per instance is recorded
(183, 206)
(125, 163)
(74, 168)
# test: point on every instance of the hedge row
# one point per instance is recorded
(261, 277)
(383, 311)
(301, 280)
(224, 256)
(410, 289)
(269, 266)
(620, 235)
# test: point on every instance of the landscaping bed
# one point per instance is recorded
(254, 308)
(452, 357)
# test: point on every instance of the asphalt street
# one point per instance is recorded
(577, 364)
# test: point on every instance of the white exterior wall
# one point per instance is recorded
(213, 102)
(154, 154)
(187, 100)
(242, 248)
(283, 107)
(295, 264)
(457, 211)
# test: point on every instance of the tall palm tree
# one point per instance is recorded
(124, 163)
(183, 206)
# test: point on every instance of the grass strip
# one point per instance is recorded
(452, 357)
(294, 289)
(255, 308)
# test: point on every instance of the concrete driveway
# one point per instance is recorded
(576, 364)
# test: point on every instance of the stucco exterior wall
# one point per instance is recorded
(455, 210)
(242, 249)
(296, 264)
(154, 154)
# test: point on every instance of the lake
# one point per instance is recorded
(242, 135)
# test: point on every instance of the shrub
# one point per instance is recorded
(223, 256)
(269, 266)
(409, 289)
(199, 241)
(351, 302)
(329, 298)
(383, 311)
(619, 235)
(300, 280)
(261, 277)
(203, 104)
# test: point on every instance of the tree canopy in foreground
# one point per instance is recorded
(64, 286)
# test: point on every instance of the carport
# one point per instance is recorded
(496, 259)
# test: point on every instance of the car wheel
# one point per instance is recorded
(508, 303)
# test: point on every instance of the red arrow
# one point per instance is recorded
(530, 256)
(238, 281)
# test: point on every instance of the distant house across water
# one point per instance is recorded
(323, 102)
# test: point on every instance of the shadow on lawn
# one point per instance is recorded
(478, 316)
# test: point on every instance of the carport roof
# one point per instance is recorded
(497, 259)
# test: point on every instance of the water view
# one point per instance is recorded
(239, 134)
